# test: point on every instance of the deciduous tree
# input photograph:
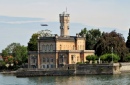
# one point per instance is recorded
(32, 44)
(92, 37)
(15, 53)
(111, 40)
(128, 41)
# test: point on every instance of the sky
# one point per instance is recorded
(19, 19)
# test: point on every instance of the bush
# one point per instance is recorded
(108, 57)
(79, 63)
(127, 58)
(91, 57)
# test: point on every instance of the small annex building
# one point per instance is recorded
(56, 51)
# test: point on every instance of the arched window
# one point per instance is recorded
(47, 59)
(42, 47)
(44, 60)
(47, 47)
(51, 47)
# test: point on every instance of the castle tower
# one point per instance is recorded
(64, 24)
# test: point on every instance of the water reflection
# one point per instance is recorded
(122, 79)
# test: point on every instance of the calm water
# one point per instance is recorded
(122, 79)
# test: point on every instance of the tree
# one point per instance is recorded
(111, 40)
(32, 44)
(127, 58)
(108, 57)
(83, 31)
(91, 37)
(20, 54)
(8, 51)
(128, 41)
(5, 53)
(91, 57)
(15, 53)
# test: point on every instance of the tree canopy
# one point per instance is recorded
(109, 57)
(128, 41)
(32, 44)
(91, 37)
(111, 40)
(15, 53)
(91, 57)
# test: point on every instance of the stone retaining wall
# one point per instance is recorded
(45, 73)
(80, 69)
(125, 67)
(97, 69)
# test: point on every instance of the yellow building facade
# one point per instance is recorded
(56, 51)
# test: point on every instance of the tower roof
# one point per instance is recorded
(64, 14)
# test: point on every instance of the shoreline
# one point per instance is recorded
(8, 72)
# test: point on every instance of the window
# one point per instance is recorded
(47, 66)
(72, 57)
(43, 47)
(51, 66)
(50, 47)
(51, 59)
(43, 66)
(47, 59)
(44, 60)
(47, 47)
(33, 60)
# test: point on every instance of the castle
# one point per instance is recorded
(57, 51)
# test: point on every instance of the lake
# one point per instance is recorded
(120, 79)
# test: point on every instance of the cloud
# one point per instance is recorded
(19, 20)
(20, 29)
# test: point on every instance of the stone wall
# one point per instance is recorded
(73, 69)
(94, 69)
(41, 72)
(125, 67)
(45, 73)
